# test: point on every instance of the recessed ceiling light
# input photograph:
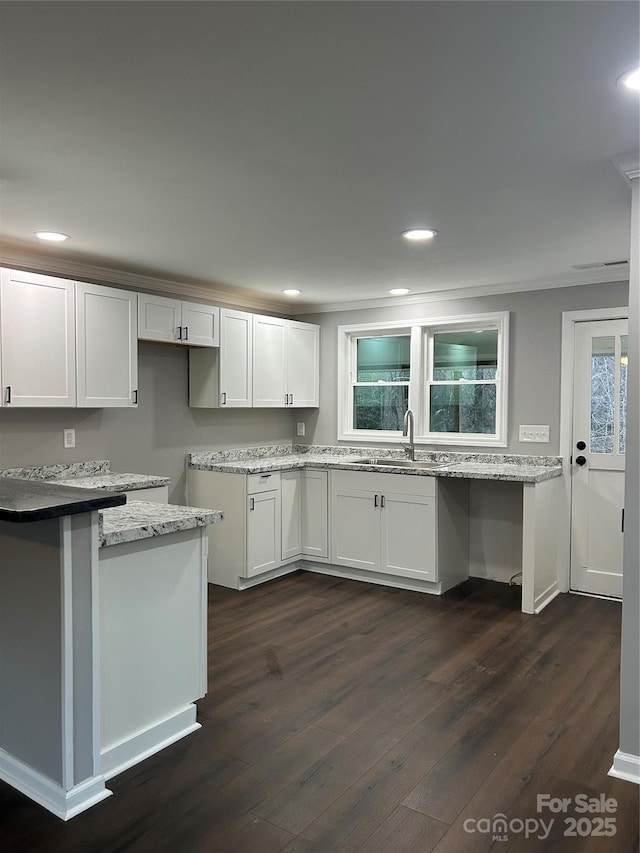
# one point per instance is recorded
(51, 236)
(419, 234)
(291, 291)
(399, 291)
(630, 79)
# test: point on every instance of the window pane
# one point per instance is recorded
(622, 411)
(384, 359)
(379, 406)
(465, 355)
(603, 393)
(463, 408)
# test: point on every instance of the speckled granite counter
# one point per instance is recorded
(94, 474)
(479, 466)
(144, 519)
(25, 500)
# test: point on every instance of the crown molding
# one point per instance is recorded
(628, 165)
(597, 276)
(19, 256)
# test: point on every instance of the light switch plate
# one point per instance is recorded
(300, 428)
(69, 438)
(533, 432)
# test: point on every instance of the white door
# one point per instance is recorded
(236, 358)
(355, 525)
(37, 339)
(598, 454)
(269, 364)
(263, 532)
(408, 525)
(107, 346)
(200, 325)
(315, 513)
(159, 318)
(303, 364)
(291, 487)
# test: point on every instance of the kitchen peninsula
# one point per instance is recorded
(371, 514)
(102, 635)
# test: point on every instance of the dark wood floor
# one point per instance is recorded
(348, 717)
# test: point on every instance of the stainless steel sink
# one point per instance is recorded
(399, 463)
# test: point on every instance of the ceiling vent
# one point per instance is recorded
(600, 265)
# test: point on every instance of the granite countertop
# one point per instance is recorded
(144, 519)
(479, 466)
(34, 500)
(94, 474)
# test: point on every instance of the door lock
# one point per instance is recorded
(581, 445)
(580, 460)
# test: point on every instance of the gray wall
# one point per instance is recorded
(152, 439)
(535, 343)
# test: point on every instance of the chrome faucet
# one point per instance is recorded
(407, 430)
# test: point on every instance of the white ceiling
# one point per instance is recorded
(268, 145)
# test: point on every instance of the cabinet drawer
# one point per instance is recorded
(263, 482)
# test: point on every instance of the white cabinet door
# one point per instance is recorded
(303, 364)
(236, 358)
(159, 318)
(107, 346)
(269, 364)
(315, 513)
(408, 536)
(355, 525)
(37, 340)
(291, 488)
(200, 325)
(263, 532)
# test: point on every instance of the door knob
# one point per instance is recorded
(580, 460)
(581, 445)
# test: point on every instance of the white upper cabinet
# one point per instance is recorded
(107, 346)
(285, 362)
(269, 361)
(177, 322)
(303, 364)
(37, 340)
(223, 377)
(236, 359)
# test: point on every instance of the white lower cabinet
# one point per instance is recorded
(263, 532)
(291, 538)
(385, 523)
(314, 513)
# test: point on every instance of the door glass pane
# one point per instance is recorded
(379, 406)
(383, 359)
(603, 394)
(465, 355)
(622, 411)
(463, 408)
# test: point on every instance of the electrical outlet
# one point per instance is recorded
(535, 433)
(69, 438)
(300, 428)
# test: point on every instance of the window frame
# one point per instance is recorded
(420, 382)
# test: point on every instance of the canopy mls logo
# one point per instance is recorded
(590, 817)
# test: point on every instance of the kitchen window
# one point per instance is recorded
(451, 372)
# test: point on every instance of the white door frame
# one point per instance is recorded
(569, 320)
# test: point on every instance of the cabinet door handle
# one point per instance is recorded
(381, 501)
(375, 501)
(291, 395)
(286, 399)
(186, 333)
(252, 504)
(7, 396)
(179, 333)
(223, 402)
(135, 398)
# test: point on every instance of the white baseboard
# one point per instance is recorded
(142, 744)
(546, 597)
(626, 766)
(49, 794)
(372, 577)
